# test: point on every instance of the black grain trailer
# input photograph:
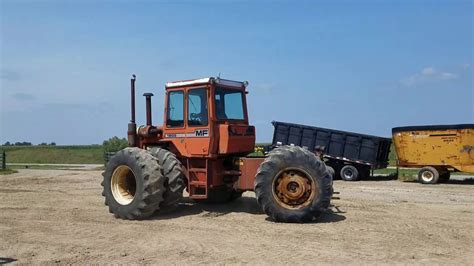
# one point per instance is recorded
(351, 155)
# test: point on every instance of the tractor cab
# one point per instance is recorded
(207, 118)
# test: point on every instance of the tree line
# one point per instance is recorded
(111, 145)
(25, 143)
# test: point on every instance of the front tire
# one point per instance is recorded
(133, 185)
(293, 185)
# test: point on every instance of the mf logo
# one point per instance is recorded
(201, 132)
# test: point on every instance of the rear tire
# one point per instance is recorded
(428, 175)
(133, 185)
(175, 179)
(349, 173)
(293, 185)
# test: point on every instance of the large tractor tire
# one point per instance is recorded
(175, 179)
(349, 173)
(133, 184)
(293, 185)
(428, 175)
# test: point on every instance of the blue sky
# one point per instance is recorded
(363, 66)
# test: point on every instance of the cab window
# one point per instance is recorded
(229, 104)
(197, 107)
(175, 115)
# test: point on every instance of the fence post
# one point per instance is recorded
(4, 160)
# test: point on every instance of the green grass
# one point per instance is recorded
(52, 167)
(91, 154)
(407, 175)
(7, 171)
(400, 171)
(410, 175)
(39, 167)
(392, 156)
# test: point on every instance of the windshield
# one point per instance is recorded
(229, 104)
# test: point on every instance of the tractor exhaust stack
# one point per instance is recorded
(148, 107)
(132, 126)
(132, 97)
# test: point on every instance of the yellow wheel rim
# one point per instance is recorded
(294, 189)
(123, 185)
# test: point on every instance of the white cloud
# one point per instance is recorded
(428, 71)
(266, 88)
(428, 74)
(447, 76)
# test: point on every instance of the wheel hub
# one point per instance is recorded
(348, 173)
(123, 185)
(294, 189)
(427, 176)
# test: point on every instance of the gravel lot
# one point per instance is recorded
(58, 216)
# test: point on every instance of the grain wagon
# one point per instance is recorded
(438, 150)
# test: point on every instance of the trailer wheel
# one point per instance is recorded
(172, 171)
(293, 185)
(133, 185)
(349, 173)
(428, 175)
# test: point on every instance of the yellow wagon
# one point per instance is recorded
(439, 150)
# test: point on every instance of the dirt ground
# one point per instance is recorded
(59, 217)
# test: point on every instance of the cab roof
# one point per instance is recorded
(224, 82)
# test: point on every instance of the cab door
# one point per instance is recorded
(174, 120)
(198, 131)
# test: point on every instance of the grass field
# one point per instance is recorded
(94, 154)
(73, 154)
(46, 167)
(7, 171)
(86, 154)
(91, 154)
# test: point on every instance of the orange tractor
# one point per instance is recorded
(202, 147)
